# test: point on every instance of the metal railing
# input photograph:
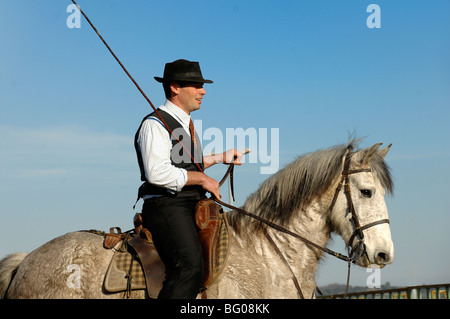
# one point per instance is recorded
(440, 291)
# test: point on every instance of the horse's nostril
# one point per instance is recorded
(382, 258)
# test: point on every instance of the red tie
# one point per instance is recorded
(192, 131)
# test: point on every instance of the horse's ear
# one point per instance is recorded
(384, 151)
(367, 154)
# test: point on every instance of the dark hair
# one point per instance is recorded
(167, 90)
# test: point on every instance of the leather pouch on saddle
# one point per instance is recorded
(208, 219)
(112, 238)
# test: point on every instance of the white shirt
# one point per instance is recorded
(155, 144)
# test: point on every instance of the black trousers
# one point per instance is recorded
(171, 222)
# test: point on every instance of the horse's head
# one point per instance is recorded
(359, 213)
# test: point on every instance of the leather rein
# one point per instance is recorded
(354, 253)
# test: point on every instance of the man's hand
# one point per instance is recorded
(232, 156)
(228, 157)
(209, 184)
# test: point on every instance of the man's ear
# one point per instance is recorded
(175, 88)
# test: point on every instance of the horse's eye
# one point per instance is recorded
(366, 193)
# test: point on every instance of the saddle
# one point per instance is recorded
(136, 264)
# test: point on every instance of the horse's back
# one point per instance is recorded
(70, 266)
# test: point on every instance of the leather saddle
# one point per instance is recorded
(208, 216)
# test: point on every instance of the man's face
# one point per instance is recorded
(188, 96)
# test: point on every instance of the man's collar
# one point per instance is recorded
(178, 112)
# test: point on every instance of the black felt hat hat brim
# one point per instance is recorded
(183, 71)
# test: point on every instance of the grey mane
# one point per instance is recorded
(295, 186)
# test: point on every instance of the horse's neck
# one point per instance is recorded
(303, 261)
(312, 225)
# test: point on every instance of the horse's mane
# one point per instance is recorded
(295, 186)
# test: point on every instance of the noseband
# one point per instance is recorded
(354, 252)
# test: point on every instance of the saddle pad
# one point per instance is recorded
(116, 278)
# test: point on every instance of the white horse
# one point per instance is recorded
(304, 197)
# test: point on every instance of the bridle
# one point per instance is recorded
(353, 252)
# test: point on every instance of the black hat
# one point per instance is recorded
(182, 70)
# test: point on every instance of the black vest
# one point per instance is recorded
(179, 158)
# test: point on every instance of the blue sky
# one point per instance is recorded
(312, 69)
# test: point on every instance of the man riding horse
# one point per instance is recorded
(171, 163)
